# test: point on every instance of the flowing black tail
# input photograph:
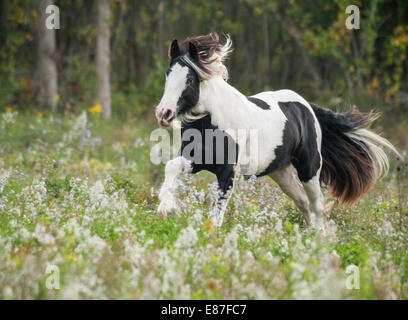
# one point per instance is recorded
(353, 158)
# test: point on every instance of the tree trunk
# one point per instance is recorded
(2, 23)
(103, 58)
(130, 37)
(47, 65)
(266, 49)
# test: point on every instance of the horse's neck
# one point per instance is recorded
(227, 106)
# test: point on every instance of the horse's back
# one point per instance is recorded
(301, 136)
(283, 95)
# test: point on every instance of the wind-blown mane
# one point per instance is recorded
(211, 53)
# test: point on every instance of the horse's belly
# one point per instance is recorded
(258, 151)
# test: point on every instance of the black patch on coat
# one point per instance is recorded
(299, 142)
(260, 103)
(224, 171)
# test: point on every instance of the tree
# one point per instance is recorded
(47, 64)
(103, 58)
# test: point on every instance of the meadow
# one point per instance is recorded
(78, 199)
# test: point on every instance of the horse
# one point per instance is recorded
(300, 145)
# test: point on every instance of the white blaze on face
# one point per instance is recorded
(175, 84)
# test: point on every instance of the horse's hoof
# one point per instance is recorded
(167, 208)
(216, 220)
(321, 227)
(318, 223)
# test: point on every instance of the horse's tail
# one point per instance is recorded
(353, 158)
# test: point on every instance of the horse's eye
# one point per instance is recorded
(189, 80)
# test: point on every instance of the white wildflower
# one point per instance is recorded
(97, 195)
(187, 238)
(40, 233)
(4, 176)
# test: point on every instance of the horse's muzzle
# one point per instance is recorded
(165, 116)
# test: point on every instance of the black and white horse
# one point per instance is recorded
(293, 137)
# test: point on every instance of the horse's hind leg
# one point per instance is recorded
(316, 199)
(309, 177)
(287, 181)
(173, 170)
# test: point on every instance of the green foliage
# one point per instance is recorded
(351, 254)
(303, 45)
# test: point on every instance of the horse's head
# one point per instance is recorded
(197, 59)
(182, 88)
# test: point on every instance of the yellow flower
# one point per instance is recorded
(375, 83)
(39, 114)
(71, 257)
(56, 98)
(52, 202)
(34, 13)
(28, 36)
(95, 109)
(96, 164)
(123, 144)
(208, 225)
(9, 109)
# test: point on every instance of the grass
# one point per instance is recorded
(80, 194)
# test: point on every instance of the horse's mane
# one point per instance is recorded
(211, 53)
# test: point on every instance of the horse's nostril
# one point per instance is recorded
(168, 114)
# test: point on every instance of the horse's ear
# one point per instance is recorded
(174, 51)
(192, 51)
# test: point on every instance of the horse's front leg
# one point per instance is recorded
(225, 183)
(174, 168)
